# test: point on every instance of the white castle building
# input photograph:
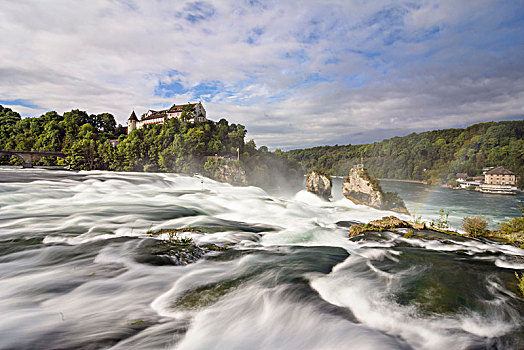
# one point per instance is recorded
(159, 117)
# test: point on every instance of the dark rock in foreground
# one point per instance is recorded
(177, 249)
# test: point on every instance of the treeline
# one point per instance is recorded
(433, 156)
(175, 146)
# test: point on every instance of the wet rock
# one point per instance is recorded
(390, 222)
(386, 223)
(319, 183)
(361, 188)
(175, 249)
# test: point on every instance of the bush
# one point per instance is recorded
(475, 225)
(393, 200)
(515, 225)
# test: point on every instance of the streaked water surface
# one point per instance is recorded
(79, 271)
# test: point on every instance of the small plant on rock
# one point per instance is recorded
(176, 239)
(408, 234)
(521, 283)
(442, 222)
(475, 225)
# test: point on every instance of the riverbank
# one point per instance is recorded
(390, 180)
(406, 181)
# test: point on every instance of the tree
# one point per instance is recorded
(188, 113)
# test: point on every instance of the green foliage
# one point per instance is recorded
(79, 135)
(175, 146)
(515, 225)
(408, 234)
(175, 236)
(136, 322)
(187, 113)
(177, 239)
(442, 223)
(475, 225)
(520, 279)
(393, 200)
(319, 172)
(417, 219)
(212, 167)
(433, 156)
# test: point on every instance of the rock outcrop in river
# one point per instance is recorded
(361, 188)
(386, 223)
(319, 183)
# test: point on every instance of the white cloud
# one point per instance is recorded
(296, 73)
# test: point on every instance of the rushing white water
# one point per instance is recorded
(79, 270)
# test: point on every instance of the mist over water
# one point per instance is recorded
(79, 271)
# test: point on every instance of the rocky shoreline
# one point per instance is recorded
(425, 230)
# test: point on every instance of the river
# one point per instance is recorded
(78, 269)
(425, 202)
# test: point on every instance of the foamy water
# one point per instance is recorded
(78, 270)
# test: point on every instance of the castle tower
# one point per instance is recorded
(131, 122)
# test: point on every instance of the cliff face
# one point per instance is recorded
(225, 171)
(361, 188)
(234, 175)
(319, 184)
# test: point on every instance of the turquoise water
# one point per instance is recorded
(426, 201)
(79, 270)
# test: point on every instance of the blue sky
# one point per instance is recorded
(295, 73)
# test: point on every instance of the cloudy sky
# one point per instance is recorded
(295, 73)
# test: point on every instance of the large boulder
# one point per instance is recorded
(385, 224)
(319, 183)
(361, 188)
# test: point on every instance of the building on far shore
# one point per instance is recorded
(461, 176)
(159, 117)
(495, 180)
(499, 180)
(500, 176)
(466, 182)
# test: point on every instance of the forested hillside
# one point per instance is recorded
(175, 146)
(433, 156)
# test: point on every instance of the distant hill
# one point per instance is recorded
(433, 156)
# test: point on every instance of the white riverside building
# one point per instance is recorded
(496, 180)
(159, 117)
